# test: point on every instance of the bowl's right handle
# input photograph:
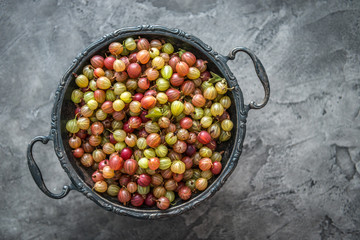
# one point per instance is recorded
(36, 173)
(260, 71)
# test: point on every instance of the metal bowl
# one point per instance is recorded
(64, 108)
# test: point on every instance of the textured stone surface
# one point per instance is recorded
(298, 177)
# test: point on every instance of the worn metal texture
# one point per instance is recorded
(298, 175)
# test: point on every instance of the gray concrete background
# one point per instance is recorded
(298, 177)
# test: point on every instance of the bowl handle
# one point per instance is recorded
(36, 173)
(260, 71)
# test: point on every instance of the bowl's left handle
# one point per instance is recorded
(36, 173)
